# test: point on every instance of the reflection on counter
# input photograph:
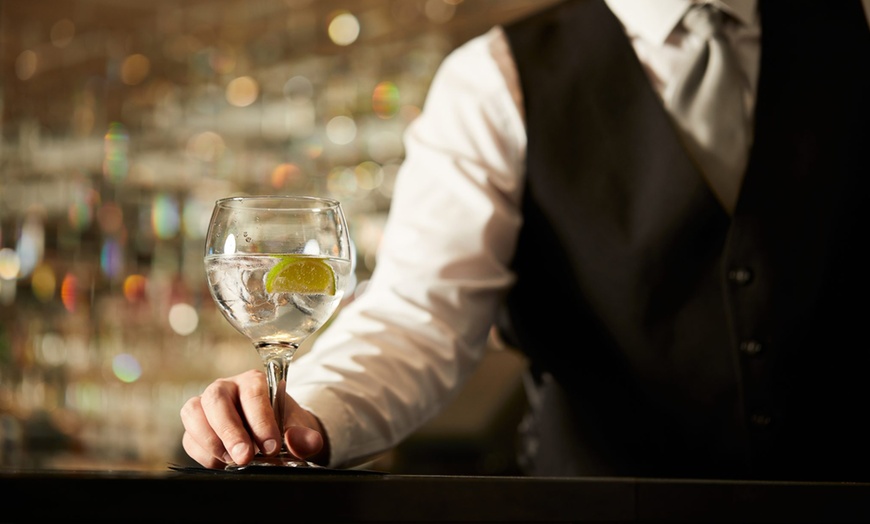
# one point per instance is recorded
(120, 124)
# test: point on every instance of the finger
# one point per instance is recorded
(256, 407)
(200, 441)
(303, 442)
(303, 432)
(200, 454)
(220, 405)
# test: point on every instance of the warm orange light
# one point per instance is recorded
(134, 288)
(69, 292)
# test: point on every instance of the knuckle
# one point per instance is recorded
(190, 407)
(254, 390)
(216, 392)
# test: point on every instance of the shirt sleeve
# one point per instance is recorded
(394, 356)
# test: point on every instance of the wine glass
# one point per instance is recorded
(277, 267)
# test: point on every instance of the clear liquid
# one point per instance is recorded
(238, 286)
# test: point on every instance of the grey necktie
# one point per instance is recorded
(708, 107)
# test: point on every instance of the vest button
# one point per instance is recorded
(750, 347)
(740, 276)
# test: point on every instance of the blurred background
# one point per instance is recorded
(121, 122)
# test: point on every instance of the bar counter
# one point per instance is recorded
(195, 495)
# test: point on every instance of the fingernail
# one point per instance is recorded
(269, 446)
(227, 458)
(239, 449)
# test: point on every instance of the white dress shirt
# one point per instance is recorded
(396, 355)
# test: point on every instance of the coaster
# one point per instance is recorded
(274, 470)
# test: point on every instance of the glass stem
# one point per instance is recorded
(276, 359)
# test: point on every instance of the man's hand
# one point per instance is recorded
(233, 419)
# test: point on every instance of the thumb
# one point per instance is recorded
(303, 433)
(303, 442)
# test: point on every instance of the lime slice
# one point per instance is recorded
(305, 275)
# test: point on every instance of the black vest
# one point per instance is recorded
(666, 337)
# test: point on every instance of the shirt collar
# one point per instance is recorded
(655, 20)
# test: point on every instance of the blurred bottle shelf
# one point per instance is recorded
(120, 123)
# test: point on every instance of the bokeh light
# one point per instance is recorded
(341, 130)
(43, 282)
(369, 175)
(385, 99)
(134, 69)
(111, 258)
(52, 349)
(344, 28)
(313, 150)
(126, 368)
(69, 291)
(222, 59)
(285, 174)
(298, 87)
(195, 218)
(242, 91)
(80, 215)
(116, 144)
(10, 264)
(183, 319)
(26, 64)
(134, 288)
(207, 146)
(165, 219)
(31, 243)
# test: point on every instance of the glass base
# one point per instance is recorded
(284, 460)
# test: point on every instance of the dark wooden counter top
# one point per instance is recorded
(193, 495)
